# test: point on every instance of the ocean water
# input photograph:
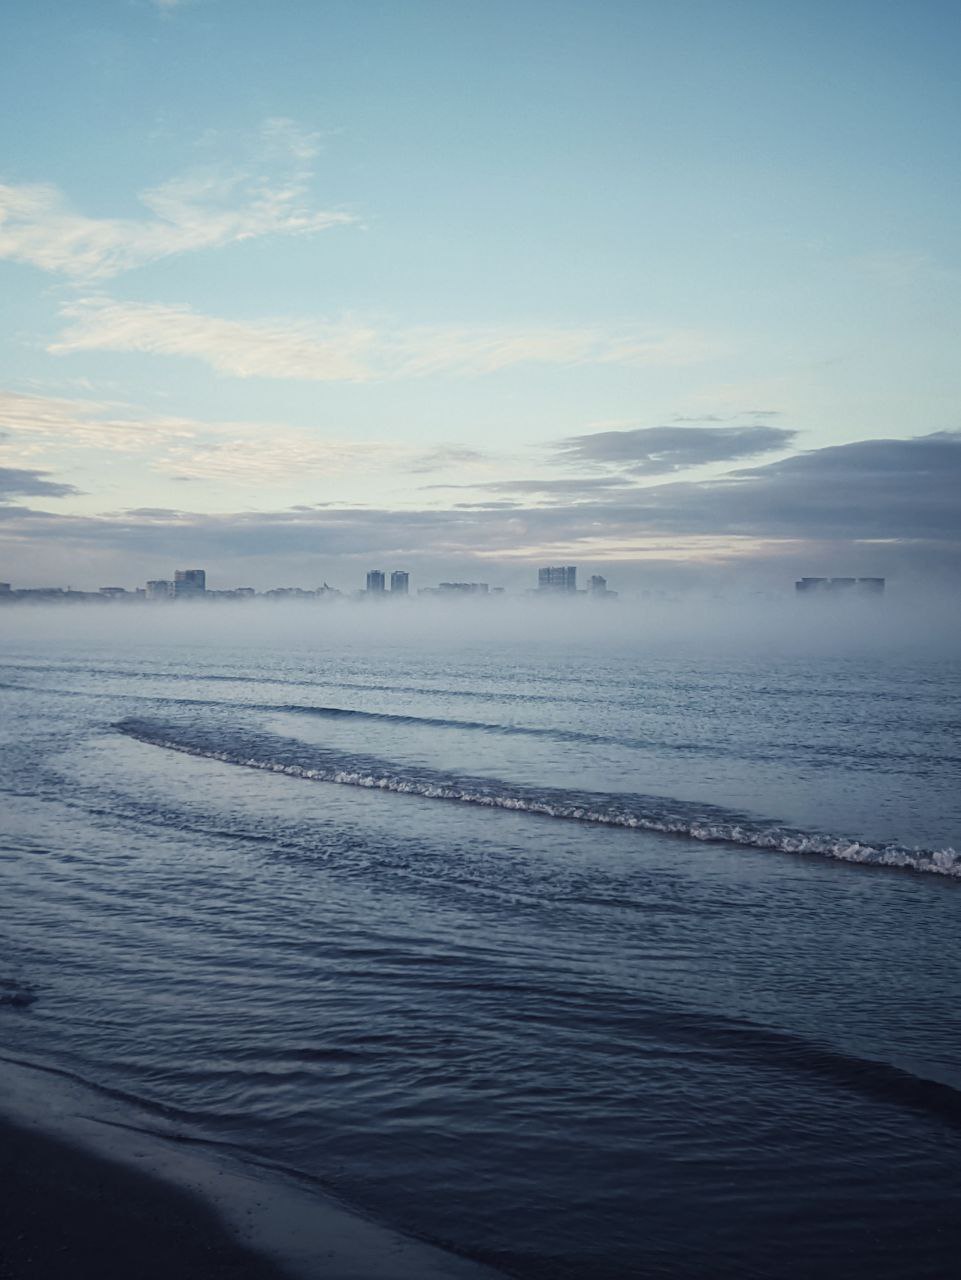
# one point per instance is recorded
(578, 951)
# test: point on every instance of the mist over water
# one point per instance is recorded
(584, 938)
(916, 620)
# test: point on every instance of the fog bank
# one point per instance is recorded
(747, 624)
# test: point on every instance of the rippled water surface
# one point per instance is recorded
(583, 959)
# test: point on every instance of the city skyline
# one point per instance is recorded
(478, 290)
(191, 584)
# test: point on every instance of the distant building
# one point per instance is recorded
(5, 589)
(189, 584)
(456, 589)
(375, 582)
(235, 593)
(399, 583)
(463, 589)
(113, 592)
(557, 578)
(840, 586)
(598, 588)
(160, 589)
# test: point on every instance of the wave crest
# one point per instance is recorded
(705, 823)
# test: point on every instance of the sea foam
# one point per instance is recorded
(708, 824)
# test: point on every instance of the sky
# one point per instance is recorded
(294, 290)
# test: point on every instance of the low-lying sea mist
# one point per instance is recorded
(925, 622)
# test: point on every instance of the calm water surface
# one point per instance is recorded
(584, 960)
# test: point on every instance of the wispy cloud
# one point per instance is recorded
(242, 453)
(231, 347)
(206, 208)
(352, 350)
(86, 424)
(542, 488)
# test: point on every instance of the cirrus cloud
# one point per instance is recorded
(204, 209)
(355, 351)
(242, 453)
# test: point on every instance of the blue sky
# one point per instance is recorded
(292, 288)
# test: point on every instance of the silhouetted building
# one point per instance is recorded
(375, 582)
(160, 589)
(463, 589)
(557, 578)
(841, 586)
(113, 592)
(189, 584)
(399, 583)
(598, 588)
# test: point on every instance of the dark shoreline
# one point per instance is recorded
(65, 1212)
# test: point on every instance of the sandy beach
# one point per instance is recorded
(65, 1212)
(90, 1187)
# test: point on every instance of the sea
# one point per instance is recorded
(591, 947)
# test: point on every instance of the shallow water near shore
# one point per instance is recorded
(578, 957)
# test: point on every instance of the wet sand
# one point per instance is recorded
(67, 1213)
(93, 1189)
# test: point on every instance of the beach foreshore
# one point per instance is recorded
(65, 1212)
(103, 1193)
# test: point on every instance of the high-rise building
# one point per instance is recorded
(598, 588)
(557, 578)
(189, 584)
(160, 589)
(399, 583)
(862, 586)
(375, 582)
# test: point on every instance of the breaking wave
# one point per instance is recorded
(707, 823)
